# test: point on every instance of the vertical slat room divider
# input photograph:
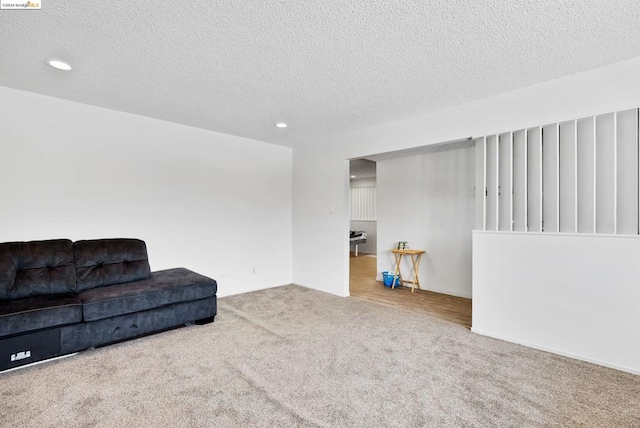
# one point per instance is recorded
(577, 176)
(363, 203)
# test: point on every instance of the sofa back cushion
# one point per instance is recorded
(102, 262)
(36, 268)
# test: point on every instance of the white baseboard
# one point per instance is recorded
(222, 293)
(324, 290)
(559, 352)
(466, 296)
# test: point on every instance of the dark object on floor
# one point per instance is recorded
(357, 237)
(58, 297)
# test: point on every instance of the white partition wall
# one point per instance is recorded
(557, 264)
(581, 300)
(578, 176)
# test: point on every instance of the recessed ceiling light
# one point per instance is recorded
(353, 176)
(60, 65)
(281, 125)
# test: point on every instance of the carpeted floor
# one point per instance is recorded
(295, 357)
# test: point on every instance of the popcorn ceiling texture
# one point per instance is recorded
(325, 67)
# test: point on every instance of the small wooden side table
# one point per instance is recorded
(415, 261)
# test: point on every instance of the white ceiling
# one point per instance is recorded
(324, 67)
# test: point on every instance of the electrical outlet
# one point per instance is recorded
(253, 270)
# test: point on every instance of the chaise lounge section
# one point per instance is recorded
(59, 297)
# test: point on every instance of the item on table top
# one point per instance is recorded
(403, 245)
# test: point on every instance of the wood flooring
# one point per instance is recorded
(363, 285)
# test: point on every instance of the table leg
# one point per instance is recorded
(397, 272)
(416, 265)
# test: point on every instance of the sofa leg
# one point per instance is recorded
(204, 321)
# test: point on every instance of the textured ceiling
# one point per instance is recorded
(322, 66)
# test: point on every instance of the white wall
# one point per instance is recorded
(576, 295)
(321, 218)
(428, 200)
(369, 226)
(320, 169)
(214, 203)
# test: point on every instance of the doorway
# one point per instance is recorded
(428, 199)
(363, 228)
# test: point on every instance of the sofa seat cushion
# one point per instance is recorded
(160, 289)
(34, 313)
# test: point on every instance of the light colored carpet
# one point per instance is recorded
(295, 357)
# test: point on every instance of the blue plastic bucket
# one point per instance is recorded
(388, 277)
